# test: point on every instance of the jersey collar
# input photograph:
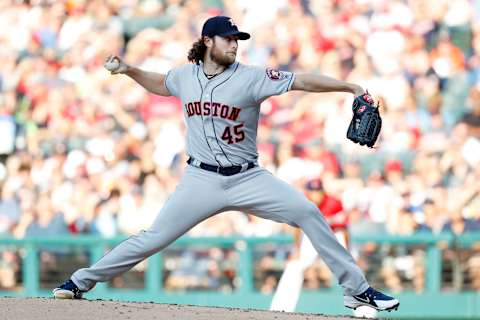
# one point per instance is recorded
(219, 77)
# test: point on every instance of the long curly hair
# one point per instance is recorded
(197, 52)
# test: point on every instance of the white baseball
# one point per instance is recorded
(112, 64)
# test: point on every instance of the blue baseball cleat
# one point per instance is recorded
(68, 290)
(371, 298)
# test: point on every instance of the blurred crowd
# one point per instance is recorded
(84, 152)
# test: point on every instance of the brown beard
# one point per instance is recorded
(219, 57)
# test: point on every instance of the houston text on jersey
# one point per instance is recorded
(214, 109)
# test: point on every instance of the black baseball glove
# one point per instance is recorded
(366, 122)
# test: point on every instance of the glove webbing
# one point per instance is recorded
(368, 128)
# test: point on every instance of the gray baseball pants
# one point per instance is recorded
(202, 194)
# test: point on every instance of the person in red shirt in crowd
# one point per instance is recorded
(331, 207)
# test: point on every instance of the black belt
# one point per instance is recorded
(226, 171)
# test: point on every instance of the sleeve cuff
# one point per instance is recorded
(290, 84)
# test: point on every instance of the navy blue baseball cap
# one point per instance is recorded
(222, 26)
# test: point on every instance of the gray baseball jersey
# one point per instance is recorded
(222, 117)
(222, 113)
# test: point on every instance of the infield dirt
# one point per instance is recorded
(51, 309)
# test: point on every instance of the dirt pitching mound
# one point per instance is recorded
(44, 308)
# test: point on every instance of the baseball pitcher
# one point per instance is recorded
(221, 99)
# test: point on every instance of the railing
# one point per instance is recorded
(431, 303)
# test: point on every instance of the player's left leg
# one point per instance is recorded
(259, 192)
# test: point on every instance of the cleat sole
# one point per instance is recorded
(392, 308)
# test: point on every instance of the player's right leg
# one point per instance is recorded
(197, 197)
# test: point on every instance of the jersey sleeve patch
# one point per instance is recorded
(275, 75)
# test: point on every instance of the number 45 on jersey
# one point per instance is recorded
(233, 134)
